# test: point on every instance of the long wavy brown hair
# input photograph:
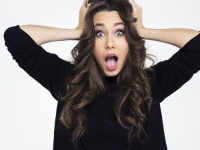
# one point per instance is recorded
(86, 82)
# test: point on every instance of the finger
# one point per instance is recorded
(85, 3)
(134, 5)
(132, 2)
(88, 5)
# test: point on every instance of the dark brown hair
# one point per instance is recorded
(86, 82)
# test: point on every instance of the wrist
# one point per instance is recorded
(79, 27)
(142, 31)
(72, 34)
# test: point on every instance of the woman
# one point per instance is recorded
(107, 99)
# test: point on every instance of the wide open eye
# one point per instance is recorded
(100, 34)
(120, 33)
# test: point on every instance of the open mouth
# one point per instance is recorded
(111, 61)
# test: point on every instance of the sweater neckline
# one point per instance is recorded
(110, 81)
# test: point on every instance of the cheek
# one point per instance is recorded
(96, 56)
(97, 53)
(98, 50)
(98, 44)
(124, 48)
(125, 55)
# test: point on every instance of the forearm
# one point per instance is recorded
(44, 34)
(177, 36)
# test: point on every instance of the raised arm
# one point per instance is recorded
(171, 74)
(46, 68)
(176, 36)
(45, 34)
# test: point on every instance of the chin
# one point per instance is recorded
(111, 74)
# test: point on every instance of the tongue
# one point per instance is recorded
(111, 63)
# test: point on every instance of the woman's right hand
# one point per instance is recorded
(82, 13)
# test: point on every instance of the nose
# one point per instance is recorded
(110, 44)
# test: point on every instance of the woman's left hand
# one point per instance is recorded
(137, 13)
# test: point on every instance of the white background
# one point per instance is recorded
(27, 110)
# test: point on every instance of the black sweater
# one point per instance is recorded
(103, 132)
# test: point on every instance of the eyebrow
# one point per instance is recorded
(116, 24)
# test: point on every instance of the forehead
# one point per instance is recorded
(106, 17)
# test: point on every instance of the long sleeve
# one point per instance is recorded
(171, 74)
(46, 68)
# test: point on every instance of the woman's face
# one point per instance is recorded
(111, 47)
